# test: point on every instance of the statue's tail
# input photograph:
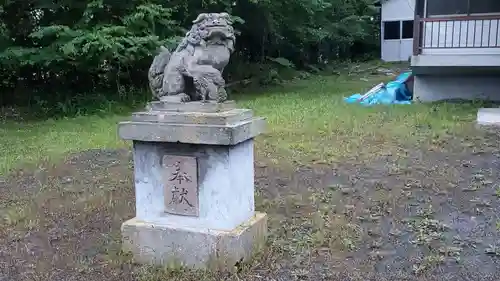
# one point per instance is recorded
(156, 71)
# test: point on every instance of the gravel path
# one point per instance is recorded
(421, 214)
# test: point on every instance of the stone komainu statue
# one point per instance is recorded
(194, 70)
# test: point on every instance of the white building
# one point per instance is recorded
(455, 49)
(397, 29)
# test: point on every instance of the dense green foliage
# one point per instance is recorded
(54, 50)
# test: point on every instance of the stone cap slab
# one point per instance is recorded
(195, 106)
(192, 133)
(209, 118)
(227, 126)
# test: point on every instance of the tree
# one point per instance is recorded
(49, 48)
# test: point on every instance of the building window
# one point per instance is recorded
(484, 6)
(447, 7)
(461, 7)
(395, 30)
(407, 29)
(392, 30)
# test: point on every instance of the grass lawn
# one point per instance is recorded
(305, 118)
(337, 181)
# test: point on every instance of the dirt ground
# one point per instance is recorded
(419, 214)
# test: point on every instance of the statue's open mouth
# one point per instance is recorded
(220, 30)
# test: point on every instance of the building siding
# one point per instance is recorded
(429, 88)
(398, 10)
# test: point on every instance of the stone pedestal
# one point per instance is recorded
(488, 117)
(194, 185)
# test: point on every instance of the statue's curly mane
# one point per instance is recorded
(195, 36)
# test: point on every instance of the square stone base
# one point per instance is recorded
(488, 117)
(168, 245)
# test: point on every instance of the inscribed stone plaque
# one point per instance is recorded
(181, 185)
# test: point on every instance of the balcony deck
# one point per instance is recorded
(457, 44)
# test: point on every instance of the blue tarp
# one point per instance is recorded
(394, 92)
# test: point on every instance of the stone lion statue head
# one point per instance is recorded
(210, 28)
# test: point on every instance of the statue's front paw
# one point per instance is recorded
(221, 95)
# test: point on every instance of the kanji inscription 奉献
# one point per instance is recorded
(181, 185)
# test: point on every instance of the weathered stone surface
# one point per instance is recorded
(180, 180)
(192, 133)
(174, 245)
(488, 117)
(195, 106)
(214, 141)
(201, 56)
(202, 118)
(217, 124)
(225, 178)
